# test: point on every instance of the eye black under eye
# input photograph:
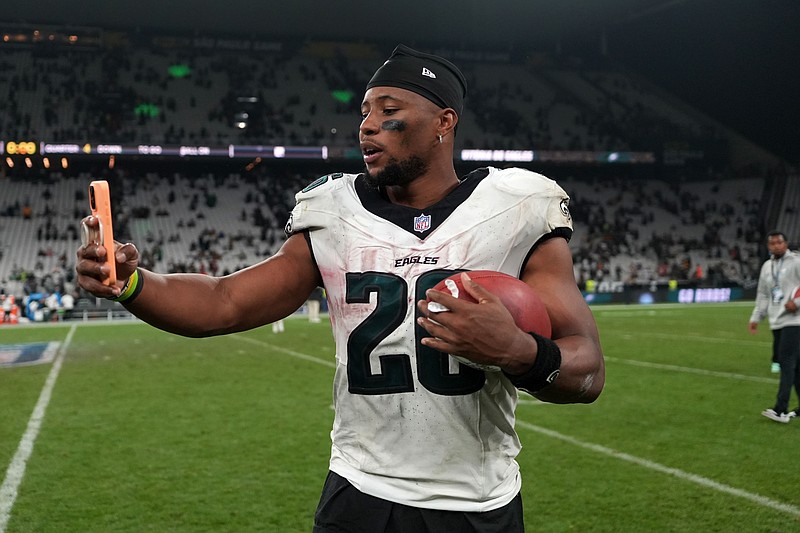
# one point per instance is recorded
(393, 125)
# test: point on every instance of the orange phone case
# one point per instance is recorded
(100, 202)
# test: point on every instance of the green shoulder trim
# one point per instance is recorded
(321, 181)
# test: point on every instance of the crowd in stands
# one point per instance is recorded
(628, 231)
(300, 95)
(645, 231)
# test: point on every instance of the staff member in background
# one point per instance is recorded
(780, 276)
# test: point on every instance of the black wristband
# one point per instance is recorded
(545, 369)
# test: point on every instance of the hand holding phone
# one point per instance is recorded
(100, 204)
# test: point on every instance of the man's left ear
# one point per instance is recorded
(448, 120)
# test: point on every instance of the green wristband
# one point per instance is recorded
(131, 289)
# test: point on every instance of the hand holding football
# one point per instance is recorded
(521, 300)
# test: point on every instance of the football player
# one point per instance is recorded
(420, 442)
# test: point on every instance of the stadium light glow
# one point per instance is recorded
(179, 70)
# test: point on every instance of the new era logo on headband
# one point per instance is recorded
(426, 72)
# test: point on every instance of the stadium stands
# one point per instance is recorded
(701, 221)
(162, 95)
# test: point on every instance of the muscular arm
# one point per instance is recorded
(197, 305)
(582, 377)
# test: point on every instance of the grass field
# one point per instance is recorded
(146, 431)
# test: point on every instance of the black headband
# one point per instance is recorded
(428, 75)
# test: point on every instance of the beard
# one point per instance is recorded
(397, 173)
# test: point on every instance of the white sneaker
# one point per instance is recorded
(783, 418)
(776, 368)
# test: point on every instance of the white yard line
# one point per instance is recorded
(702, 338)
(680, 474)
(287, 351)
(689, 370)
(16, 470)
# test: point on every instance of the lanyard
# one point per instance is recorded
(776, 276)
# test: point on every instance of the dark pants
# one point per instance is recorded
(789, 359)
(344, 509)
(776, 344)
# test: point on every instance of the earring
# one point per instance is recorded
(440, 138)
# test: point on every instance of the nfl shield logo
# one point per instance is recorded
(422, 223)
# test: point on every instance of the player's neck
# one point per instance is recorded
(424, 191)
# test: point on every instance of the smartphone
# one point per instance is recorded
(100, 203)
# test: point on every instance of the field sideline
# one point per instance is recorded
(133, 429)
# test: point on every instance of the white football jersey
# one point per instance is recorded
(412, 425)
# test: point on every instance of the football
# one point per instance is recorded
(521, 300)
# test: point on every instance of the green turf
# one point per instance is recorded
(146, 431)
